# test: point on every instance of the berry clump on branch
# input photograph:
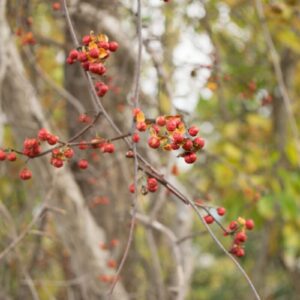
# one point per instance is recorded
(170, 133)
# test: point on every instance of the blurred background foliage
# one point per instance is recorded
(251, 163)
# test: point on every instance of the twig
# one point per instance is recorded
(190, 236)
(177, 254)
(134, 147)
(84, 130)
(58, 89)
(18, 239)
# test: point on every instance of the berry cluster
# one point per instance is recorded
(170, 133)
(236, 229)
(60, 155)
(9, 156)
(101, 88)
(93, 53)
(151, 186)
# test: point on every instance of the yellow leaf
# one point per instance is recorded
(167, 147)
(152, 132)
(241, 220)
(140, 117)
(103, 53)
(102, 38)
(92, 45)
(212, 85)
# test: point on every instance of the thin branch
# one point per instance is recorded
(190, 236)
(177, 254)
(24, 233)
(134, 147)
(84, 130)
(47, 79)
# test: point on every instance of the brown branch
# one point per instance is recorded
(84, 130)
(134, 147)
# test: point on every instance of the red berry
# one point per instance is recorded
(249, 224)
(55, 152)
(153, 189)
(135, 111)
(209, 219)
(141, 126)
(104, 45)
(57, 162)
(199, 142)
(151, 182)
(82, 57)
(155, 128)
(130, 154)
(73, 54)
(86, 65)
(113, 46)
(69, 153)
(56, 6)
(233, 225)
(132, 188)
(171, 125)
(83, 164)
(188, 145)
(83, 145)
(2, 155)
(112, 263)
(94, 53)
(83, 118)
(70, 61)
(135, 138)
(190, 158)
(97, 68)
(175, 146)
(43, 134)
(240, 237)
(86, 39)
(102, 89)
(11, 156)
(178, 138)
(52, 139)
(193, 130)
(108, 148)
(114, 242)
(221, 211)
(25, 174)
(31, 147)
(161, 121)
(154, 142)
(240, 252)
(93, 68)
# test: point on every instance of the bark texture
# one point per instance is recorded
(76, 226)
